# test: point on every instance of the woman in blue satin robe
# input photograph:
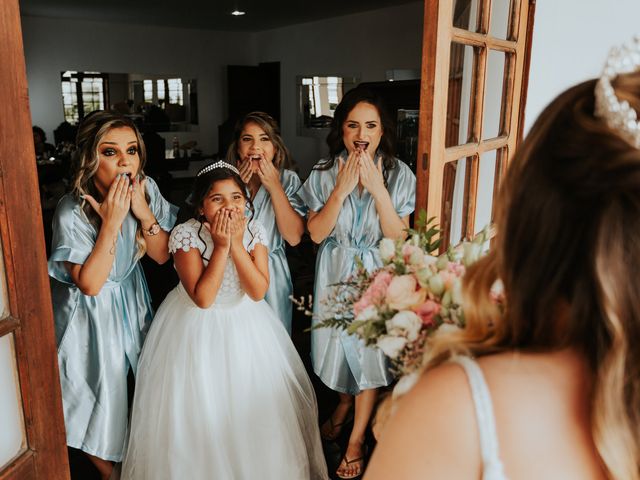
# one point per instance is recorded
(263, 160)
(101, 304)
(356, 197)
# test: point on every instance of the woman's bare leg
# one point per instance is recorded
(333, 426)
(365, 402)
(105, 467)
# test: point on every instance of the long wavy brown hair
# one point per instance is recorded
(282, 156)
(568, 220)
(90, 132)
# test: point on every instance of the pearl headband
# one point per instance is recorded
(218, 164)
(619, 116)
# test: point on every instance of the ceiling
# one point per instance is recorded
(203, 14)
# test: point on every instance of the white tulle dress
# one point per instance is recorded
(221, 392)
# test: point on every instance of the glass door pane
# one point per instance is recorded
(501, 21)
(465, 14)
(459, 96)
(484, 196)
(494, 96)
(12, 439)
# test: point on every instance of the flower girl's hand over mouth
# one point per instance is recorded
(220, 229)
(238, 223)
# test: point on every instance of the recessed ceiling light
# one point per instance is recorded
(237, 13)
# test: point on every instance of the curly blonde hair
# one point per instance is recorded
(90, 133)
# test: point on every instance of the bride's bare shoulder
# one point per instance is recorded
(430, 430)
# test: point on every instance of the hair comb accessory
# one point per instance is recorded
(218, 164)
(619, 115)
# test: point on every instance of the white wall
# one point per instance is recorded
(365, 44)
(52, 46)
(571, 39)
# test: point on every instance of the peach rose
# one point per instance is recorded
(404, 292)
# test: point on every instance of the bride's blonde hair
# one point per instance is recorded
(568, 220)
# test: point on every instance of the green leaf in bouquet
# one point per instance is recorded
(368, 330)
(333, 322)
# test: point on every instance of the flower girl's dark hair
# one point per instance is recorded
(201, 187)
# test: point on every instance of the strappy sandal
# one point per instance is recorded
(346, 463)
(335, 428)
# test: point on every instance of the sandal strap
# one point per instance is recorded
(349, 462)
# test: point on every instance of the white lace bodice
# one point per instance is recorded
(192, 234)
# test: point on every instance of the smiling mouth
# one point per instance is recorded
(361, 145)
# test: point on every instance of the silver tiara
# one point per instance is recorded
(218, 164)
(619, 116)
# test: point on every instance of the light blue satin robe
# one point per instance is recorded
(99, 338)
(280, 286)
(342, 361)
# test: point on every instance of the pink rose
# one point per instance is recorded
(404, 292)
(427, 311)
(362, 304)
(374, 293)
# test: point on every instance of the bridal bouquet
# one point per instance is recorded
(412, 295)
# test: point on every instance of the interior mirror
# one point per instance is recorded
(318, 97)
(162, 103)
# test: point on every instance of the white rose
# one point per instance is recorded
(369, 313)
(387, 249)
(391, 346)
(405, 321)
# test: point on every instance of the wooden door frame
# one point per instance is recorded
(22, 234)
(433, 155)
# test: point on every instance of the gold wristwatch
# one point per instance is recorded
(154, 229)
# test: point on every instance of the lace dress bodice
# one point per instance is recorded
(192, 234)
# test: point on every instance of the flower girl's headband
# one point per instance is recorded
(218, 164)
(619, 116)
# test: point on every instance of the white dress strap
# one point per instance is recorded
(491, 465)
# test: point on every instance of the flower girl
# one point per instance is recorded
(221, 391)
